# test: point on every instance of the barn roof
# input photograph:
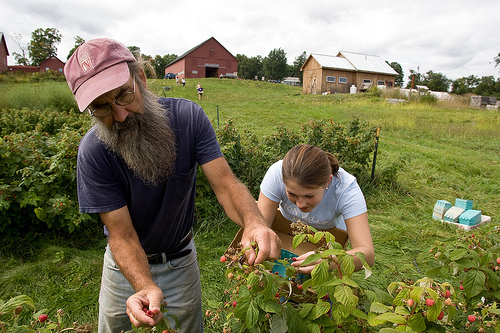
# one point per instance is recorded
(354, 62)
(197, 46)
(2, 42)
(367, 63)
(329, 61)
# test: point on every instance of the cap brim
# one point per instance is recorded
(102, 82)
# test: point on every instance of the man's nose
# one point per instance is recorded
(120, 113)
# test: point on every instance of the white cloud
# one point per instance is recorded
(454, 37)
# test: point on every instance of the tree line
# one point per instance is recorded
(273, 67)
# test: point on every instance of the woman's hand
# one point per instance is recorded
(297, 262)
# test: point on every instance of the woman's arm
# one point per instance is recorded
(268, 208)
(360, 238)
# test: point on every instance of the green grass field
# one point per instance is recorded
(447, 151)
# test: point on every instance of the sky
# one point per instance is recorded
(454, 37)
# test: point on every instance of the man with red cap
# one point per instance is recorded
(137, 168)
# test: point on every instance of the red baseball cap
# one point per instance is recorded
(96, 67)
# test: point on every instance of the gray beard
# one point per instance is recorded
(144, 141)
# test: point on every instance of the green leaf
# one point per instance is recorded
(377, 307)
(435, 272)
(306, 308)
(317, 237)
(294, 322)
(392, 317)
(278, 324)
(359, 314)
(347, 264)
(270, 306)
(313, 328)
(252, 313)
(474, 282)
(242, 307)
(402, 295)
(319, 309)
(373, 319)
(416, 293)
(312, 258)
(297, 240)
(458, 254)
(344, 295)
(417, 323)
(320, 273)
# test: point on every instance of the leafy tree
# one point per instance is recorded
(159, 63)
(297, 65)
(487, 87)
(497, 60)
(436, 81)
(249, 68)
(136, 51)
(398, 82)
(275, 65)
(78, 41)
(21, 58)
(465, 85)
(43, 44)
(416, 78)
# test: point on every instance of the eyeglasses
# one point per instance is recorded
(105, 110)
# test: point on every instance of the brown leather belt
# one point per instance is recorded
(177, 252)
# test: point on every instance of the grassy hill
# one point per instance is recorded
(438, 151)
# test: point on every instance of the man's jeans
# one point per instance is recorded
(178, 278)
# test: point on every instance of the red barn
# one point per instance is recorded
(4, 52)
(209, 59)
(52, 63)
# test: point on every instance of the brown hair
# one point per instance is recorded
(309, 166)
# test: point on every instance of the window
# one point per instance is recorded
(367, 81)
(330, 79)
(342, 80)
(380, 83)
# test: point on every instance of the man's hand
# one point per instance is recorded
(149, 299)
(268, 242)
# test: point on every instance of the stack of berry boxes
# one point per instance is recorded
(461, 214)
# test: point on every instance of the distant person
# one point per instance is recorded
(308, 185)
(136, 168)
(177, 80)
(200, 91)
(183, 82)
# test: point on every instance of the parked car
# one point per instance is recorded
(169, 76)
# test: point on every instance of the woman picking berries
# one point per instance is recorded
(309, 186)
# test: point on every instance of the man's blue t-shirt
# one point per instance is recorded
(163, 214)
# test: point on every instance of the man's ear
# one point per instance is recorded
(142, 77)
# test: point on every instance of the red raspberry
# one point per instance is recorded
(42, 318)
(471, 318)
(447, 294)
(223, 259)
(150, 314)
(461, 287)
(299, 286)
(410, 302)
(498, 260)
(429, 302)
(234, 304)
(441, 315)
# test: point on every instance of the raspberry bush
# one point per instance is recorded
(332, 300)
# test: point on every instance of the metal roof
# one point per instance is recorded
(329, 61)
(368, 63)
